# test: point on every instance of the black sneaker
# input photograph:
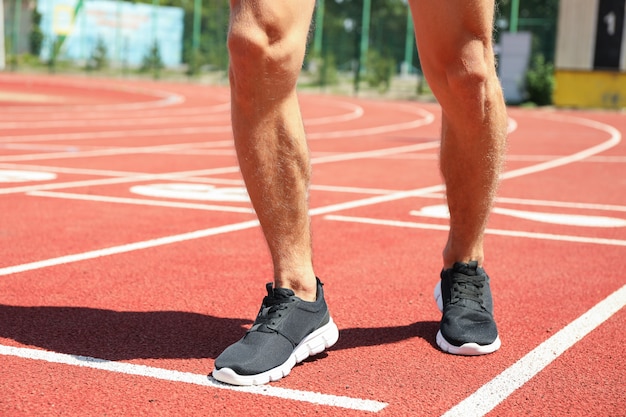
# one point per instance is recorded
(467, 325)
(286, 331)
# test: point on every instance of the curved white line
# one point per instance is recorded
(130, 120)
(355, 112)
(615, 139)
(426, 119)
(163, 98)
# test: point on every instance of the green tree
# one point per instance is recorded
(540, 81)
(36, 35)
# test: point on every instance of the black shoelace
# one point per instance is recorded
(270, 311)
(466, 287)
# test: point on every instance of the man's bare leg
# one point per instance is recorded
(267, 42)
(455, 44)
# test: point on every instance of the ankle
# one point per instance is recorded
(304, 288)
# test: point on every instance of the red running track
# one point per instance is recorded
(131, 258)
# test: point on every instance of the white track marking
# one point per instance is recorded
(615, 138)
(547, 203)
(117, 134)
(563, 204)
(186, 236)
(191, 378)
(351, 190)
(142, 202)
(582, 220)
(73, 171)
(118, 180)
(499, 232)
(213, 171)
(213, 110)
(135, 120)
(25, 176)
(116, 151)
(422, 191)
(487, 397)
(175, 238)
(440, 211)
(163, 99)
(591, 159)
(354, 112)
(114, 250)
(426, 119)
(376, 153)
(237, 182)
(187, 191)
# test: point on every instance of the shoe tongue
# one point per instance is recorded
(470, 269)
(278, 292)
(283, 293)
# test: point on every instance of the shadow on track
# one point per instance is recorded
(115, 335)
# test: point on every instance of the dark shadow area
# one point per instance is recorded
(374, 336)
(115, 335)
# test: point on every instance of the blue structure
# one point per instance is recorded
(128, 30)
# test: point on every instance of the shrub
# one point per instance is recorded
(540, 81)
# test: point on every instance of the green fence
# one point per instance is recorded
(363, 42)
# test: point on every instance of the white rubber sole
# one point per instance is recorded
(315, 343)
(466, 349)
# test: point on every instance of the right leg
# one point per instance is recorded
(267, 40)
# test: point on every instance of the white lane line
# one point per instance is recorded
(615, 138)
(560, 204)
(137, 120)
(376, 153)
(193, 235)
(238, 182)
(156, 149)
(175, 176)
(354, 112)
(213, 171)
(440, 211)
(117, 180)
(214, 110)
(163, 99)
(191, 378)
(426, 119)
(128, 247)
(142, 202)
(545, 203)
(487, 397)
(116, 134)
(498, 232)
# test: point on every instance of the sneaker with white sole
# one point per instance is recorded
(467, 325)
(286, 331)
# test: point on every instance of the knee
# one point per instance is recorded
(468, 83)
(263, 53)
(469, 77)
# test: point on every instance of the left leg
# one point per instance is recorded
(455, 46)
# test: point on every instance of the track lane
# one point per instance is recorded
(354, 271)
